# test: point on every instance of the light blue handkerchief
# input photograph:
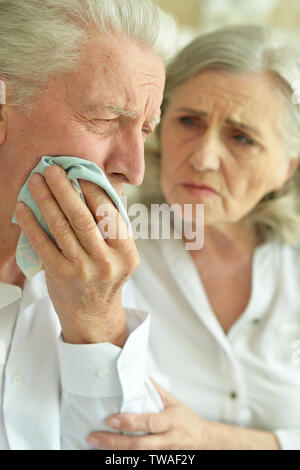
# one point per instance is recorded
(76, 168)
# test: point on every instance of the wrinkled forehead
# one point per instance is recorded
(233, 96)
(110, 66)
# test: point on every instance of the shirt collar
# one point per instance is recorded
(9, 294)
(266, 262)
(33, 290)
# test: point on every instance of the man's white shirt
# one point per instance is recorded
(53, 394)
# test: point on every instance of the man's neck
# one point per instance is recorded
(10, 273)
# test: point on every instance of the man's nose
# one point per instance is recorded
(206, 153)
(126, 158)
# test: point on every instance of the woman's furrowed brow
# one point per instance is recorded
(228, 121)
(243, 126)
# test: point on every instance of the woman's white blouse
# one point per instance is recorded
(250, 376)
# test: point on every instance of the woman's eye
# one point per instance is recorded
(243, 139)
(187, 121)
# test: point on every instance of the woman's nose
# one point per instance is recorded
(206, 153)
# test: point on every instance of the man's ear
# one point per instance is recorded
(2, 106)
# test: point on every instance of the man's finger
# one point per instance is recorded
(109, 221)
(151, 423)
(54, 217)
(80, 219)
(42, 244)
(112, 441)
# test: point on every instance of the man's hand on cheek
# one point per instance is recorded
(84, 272)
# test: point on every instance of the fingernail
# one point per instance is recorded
(52, 172)
(36, 180)
(114, 423)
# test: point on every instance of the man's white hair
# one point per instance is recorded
(43, 38)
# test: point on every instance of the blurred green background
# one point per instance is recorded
(196, 16)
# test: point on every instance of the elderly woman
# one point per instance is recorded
(226, 318)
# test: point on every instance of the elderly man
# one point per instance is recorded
(82, 78)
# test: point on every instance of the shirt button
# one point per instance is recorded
(233, 395)
(256, 321)
(17, 380)
(102, 372)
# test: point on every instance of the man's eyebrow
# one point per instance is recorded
(93, 107)
(119, 111)
(155, 120)
(232, 122)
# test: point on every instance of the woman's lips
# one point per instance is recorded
(200, 190)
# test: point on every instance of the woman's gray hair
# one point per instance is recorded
(42, 38)
(252, 49)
